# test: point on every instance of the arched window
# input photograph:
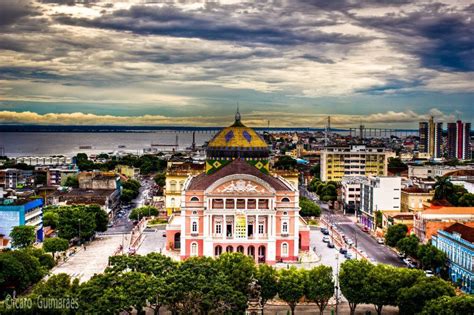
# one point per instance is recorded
(229, 249)
(194, 227)
(181, 183)
(240, 249)
(218, 250)
(284, 249)
(194, 198)
(194, 249)
(285, 199)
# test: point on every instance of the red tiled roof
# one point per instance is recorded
(466, 232)
(203, 181)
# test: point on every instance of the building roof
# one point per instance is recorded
(450, 210)
(237, 166)
(237, 138)
(466, 232)
(414, 189)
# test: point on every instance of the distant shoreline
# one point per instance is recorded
(146, 129)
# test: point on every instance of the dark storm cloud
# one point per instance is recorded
(12, 11)
(265, 28)
(442, 39)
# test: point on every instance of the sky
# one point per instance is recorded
(383, 63)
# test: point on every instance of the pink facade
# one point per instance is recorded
(238, 208)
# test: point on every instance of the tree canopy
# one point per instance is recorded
(395, 233)
(23, 236)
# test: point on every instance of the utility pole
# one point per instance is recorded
(337, 282)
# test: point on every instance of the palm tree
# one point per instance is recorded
(443, 188)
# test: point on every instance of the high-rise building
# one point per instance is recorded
(431, 138)
(459, 137)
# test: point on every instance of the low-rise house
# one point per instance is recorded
(412, 198)
(107, 199)
(98, 180)
(127, 171)
(427, 223)
(457, 242)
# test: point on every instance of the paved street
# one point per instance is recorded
(154, 241)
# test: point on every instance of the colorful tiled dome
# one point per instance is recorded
(237, 141)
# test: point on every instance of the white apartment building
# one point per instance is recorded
(431, 171)
(354, 160)
(44, 160)
(379, 194)
(350, 188)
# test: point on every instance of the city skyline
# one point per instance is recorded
(191, 62)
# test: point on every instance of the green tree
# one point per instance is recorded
(72, 181)
(412, 300)
(142, 212)
(309, 208)
(395, 233)
(443, 188)
(466, 200)
(101, 217)
(55, 244)
(319, 286)
(267, 278)
(291, 287)
(430, 257)
(12, 275)
(23, 236)
(409, 245)
(160, 179)
(239, 268)
(382, 285)
(447, 305)
(51, 219)
(315, 170)
(353, 282)
(285, 162)
(127, 195)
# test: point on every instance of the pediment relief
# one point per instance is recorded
(240, 186)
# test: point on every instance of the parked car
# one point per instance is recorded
(365, 229)
(401, 255)
(380, 240)
(342, 250)
(325, 231)
(330, 244)
(326, 239)
(349, 241)
(348, 255)
(429, 273)
(409, 263)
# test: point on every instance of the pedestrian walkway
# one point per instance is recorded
(91, 260)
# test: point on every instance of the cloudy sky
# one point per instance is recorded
(189, 62)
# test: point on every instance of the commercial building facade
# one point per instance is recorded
(378, 194)
(457, 242)
(350, 192)
(22, 212)
(354, 160)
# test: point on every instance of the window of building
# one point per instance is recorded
(284, 227)
(194, 249)
(261, 228)
(263, 203)
(229, 203)
(217, 203)
(194, 198)
(173, 203)
(218, 228)
(173, 185)
(218, 250)
(240, 203)
(194, 227)
(229, 249)
(285, 199)
(251, 204)
(284, 249)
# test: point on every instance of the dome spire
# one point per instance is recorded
(237, 122)
(237, 114)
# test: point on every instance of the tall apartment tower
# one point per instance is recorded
(431, 138)
(459, 140)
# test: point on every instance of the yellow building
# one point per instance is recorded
(354, 160)
(127, 171)
(413, 198)
(176, 174)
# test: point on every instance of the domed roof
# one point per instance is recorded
(236, 141)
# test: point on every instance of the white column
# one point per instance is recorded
(273, 225)
(256, 227)
(224, 228)
(206, 226)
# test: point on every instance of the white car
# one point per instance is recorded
(326, 239)
(380, 240)
(429, 273)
